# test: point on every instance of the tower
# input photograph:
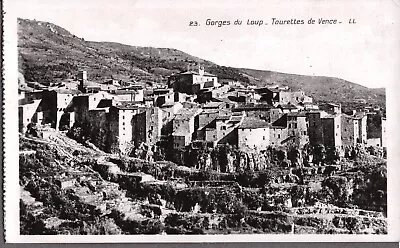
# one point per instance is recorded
(82, 78)
(201, 70)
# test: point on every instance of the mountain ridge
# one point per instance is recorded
(49, 53)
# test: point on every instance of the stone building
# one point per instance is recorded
(191, 82)
(278, 134)
(362, 126)
(276, 96)
(85, 85)
(315, 129)
(350, 130)
(184, 125)
(146, 126)
(253, 133)
(27, 113)
(54, 107)
(121, 128)
(297, 124)
(223, 129)
(331, 126)
(260, 110)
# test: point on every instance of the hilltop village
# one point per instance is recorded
(269, 157)
(196, 109)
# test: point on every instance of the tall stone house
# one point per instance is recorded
(191, 82)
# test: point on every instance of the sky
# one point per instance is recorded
(366, 52)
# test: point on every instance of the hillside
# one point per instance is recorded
(70, 188)
(319, 87)
(49, 53)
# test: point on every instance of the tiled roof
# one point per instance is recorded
(66, 91)
(90, 84)
(196, 73)
(297, 114)
(127, 105)
(252, 123)
(212, 105)
(287, 106)
(281, 122)
(223, 117)
(250, 106)
(122, 92)
(186, 113)
(329, 116)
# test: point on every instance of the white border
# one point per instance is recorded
(11, 181)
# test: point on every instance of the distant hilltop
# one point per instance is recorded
(50, 54)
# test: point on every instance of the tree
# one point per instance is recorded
(319, 154)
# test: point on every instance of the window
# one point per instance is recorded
(279, 136)
(223, 127)
(123, 117)
(263, 137)
(123, 123)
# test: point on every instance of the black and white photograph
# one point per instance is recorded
(213, 120)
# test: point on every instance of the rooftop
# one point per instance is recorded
(250, 106)
(212, 105)
(223, 117)
(253, 123)
(66, 91)
(296, 114)
(122, 92)
(90, 84)
(197, 73)
(187, 113)
(287, 106)
(127, 105)
(281, 122)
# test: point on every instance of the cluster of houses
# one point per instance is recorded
(194, 107)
